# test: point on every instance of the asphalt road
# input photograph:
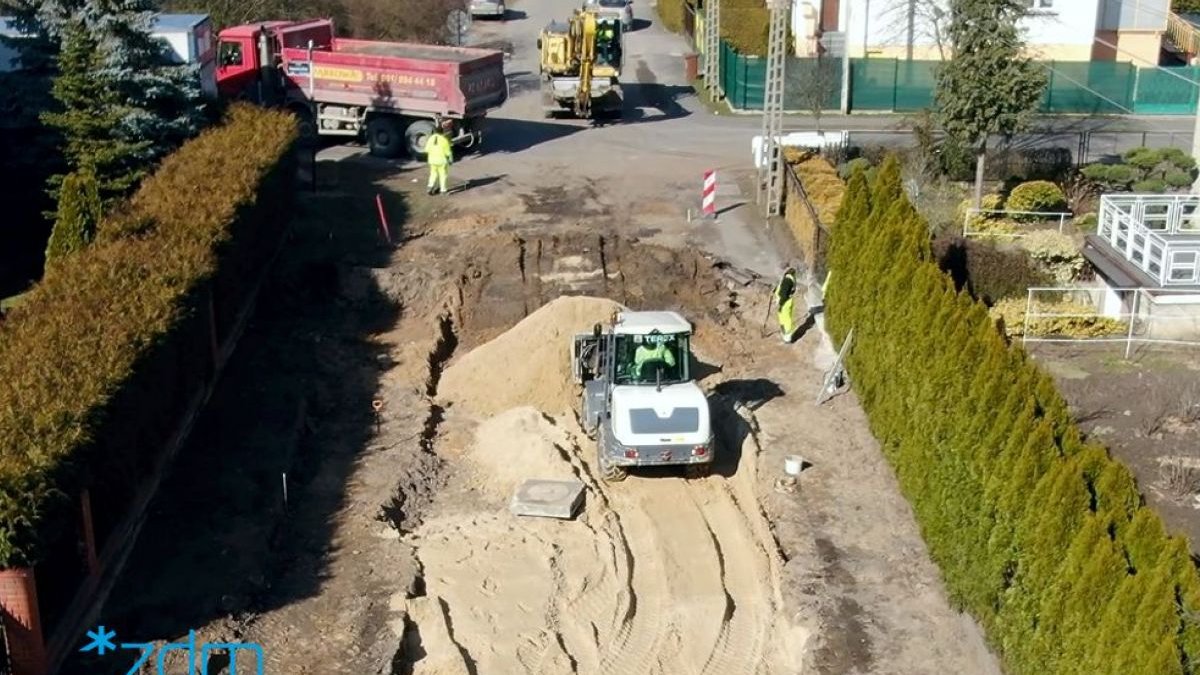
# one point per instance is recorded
(654, 76)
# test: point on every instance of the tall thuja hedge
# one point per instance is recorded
(100, 360)
(1042, 536)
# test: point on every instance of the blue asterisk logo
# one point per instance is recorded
(101, 641)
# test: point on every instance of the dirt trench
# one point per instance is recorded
(658, 574)
(397, 548)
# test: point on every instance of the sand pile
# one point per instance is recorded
(530, 365)
(518, 444)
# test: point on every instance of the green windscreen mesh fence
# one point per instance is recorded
(1166, 92)
(1102, 87)
(1097, 87)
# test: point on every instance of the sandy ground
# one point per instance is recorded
(395, 552)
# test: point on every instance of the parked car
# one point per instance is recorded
(622, 7)
(488, 8)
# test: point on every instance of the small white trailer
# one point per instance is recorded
(186, 39)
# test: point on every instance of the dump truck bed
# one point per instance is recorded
(400, 77)
(406, 50)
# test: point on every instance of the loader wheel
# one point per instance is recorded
(384, 137)
(611, 473)
(697, 471)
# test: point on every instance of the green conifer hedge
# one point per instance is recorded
(99, 362)
(673, 14)
(1039, 534)
(79, 211)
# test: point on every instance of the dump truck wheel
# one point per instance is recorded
(306, 125)
(384, 137)
(415, 136)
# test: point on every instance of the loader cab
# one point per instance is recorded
(651, 348)
(651, 359)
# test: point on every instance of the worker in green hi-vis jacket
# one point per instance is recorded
(644, 354)
(784, 292)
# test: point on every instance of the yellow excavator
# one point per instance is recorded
(581, 63)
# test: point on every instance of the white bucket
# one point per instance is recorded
(792, 465)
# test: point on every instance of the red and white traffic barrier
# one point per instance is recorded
(708, 201)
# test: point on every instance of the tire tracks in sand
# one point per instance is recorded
(658, 575)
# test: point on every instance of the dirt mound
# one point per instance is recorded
(519, 444)
(529, 365)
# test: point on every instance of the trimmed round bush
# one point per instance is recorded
(1037, 196)
(1178, 179)
(1152, 185)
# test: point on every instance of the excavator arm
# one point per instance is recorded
(585, 42)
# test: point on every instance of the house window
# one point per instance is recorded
(1039, 4)
(1183, 266)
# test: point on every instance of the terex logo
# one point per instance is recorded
(101, 641)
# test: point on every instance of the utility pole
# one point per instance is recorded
(712, 48)
(845, 30)
(770, 172)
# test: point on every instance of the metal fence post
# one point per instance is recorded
(1028, 310)
(1050, 90)
(895, 82)
(1132, 317)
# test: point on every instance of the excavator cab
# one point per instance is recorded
(608, 43)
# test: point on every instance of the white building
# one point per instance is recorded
(1061, 30)
(1149, 242)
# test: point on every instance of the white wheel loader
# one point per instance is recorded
(639, 400)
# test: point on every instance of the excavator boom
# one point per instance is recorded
(587, 59)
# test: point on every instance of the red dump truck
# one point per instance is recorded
(392, 93)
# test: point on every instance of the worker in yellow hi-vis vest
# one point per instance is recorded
(439, 155)
(784, 291)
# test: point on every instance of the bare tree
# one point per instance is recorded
(913, 22)
(817, 82)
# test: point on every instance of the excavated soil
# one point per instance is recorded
(437, 379)
(529, 364)
(656, 575)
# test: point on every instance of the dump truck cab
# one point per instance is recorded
(639, 399)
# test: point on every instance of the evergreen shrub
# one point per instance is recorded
(745, 24)
(106, 352)
(673, 14)
(1037, 196)
(1057, 252)
(1038, 533)
(78, 214)
(1074, 320)
(991, 271)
